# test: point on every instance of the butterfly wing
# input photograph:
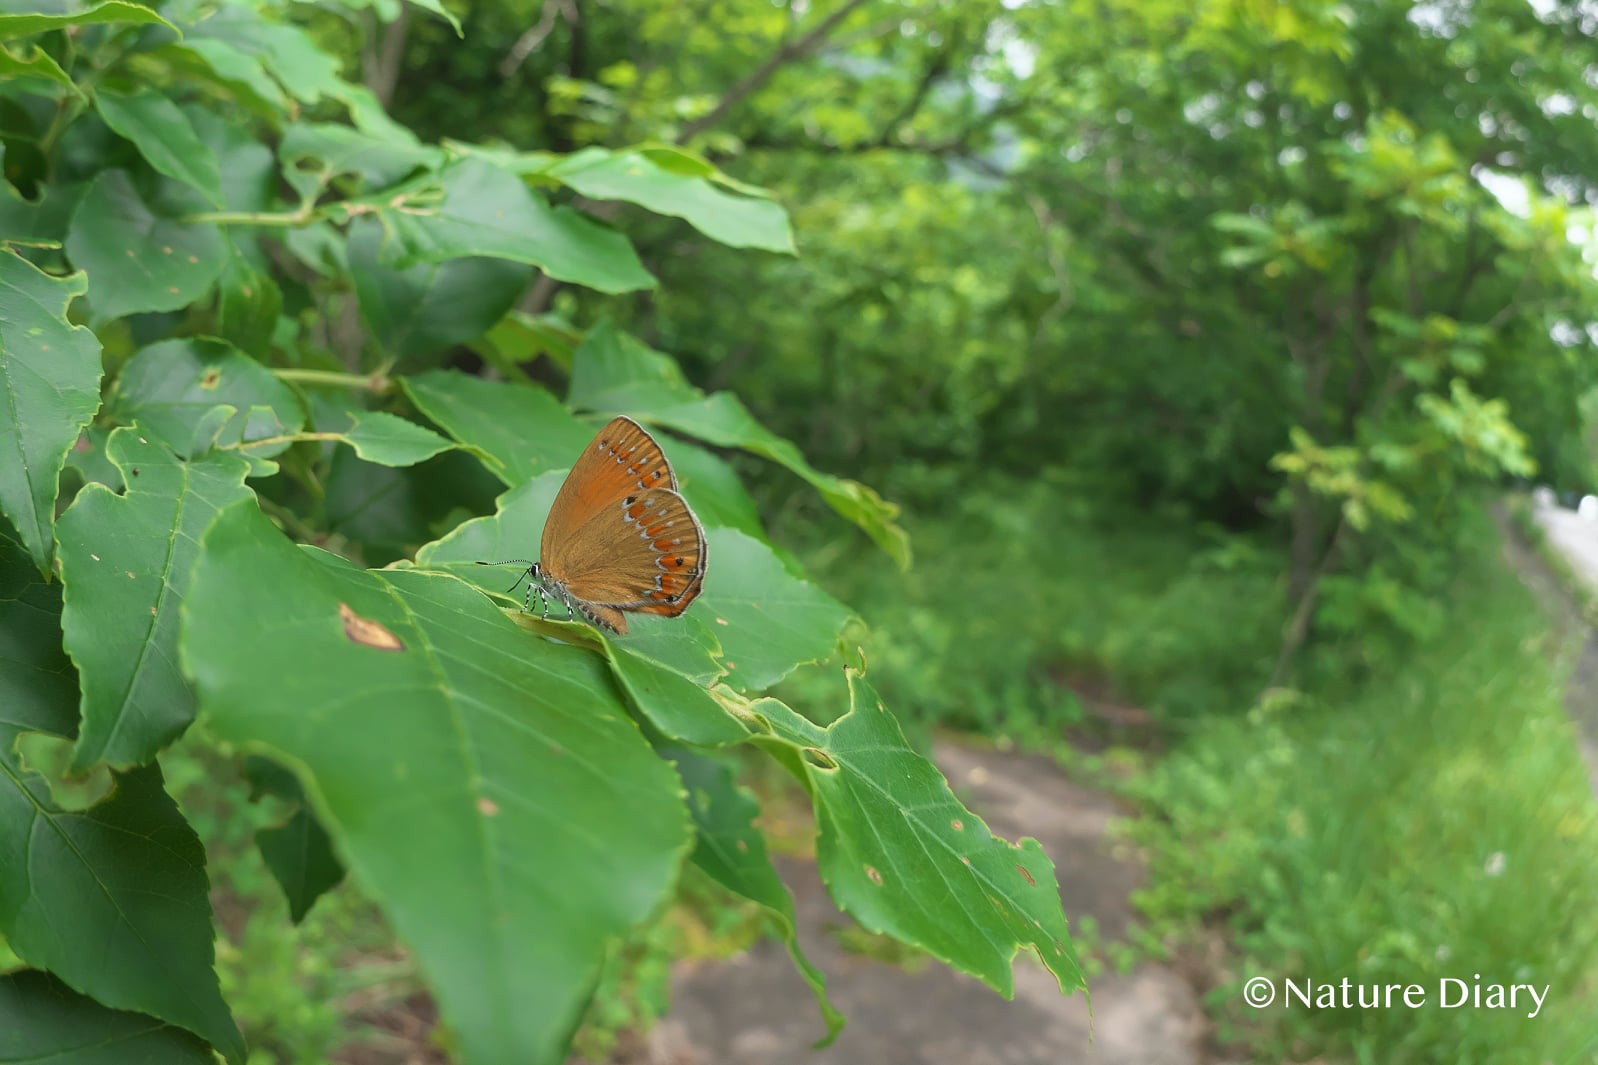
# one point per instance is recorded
(622, 460)
(619, 537)
(646, 553)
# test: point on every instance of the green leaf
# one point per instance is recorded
(25, 25)
(44, 1020)
(389, 440)
(430, 307)
(737, 221)
(452, 756)
(248, 305)
(126, 562)
(286, 52)
(768, 620)
(298, 852)
(240, 70)
(112, 899)
(49, 389)
(36, 63)
(733, 852)
(524, 431)
(164, 137)
(902, 856)
(486, 211)
(136, 260)
(175, 388)
(38, 684)
(314, 153)
(663, 664)
(613, 373)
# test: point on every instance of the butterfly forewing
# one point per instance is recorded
(622, 460)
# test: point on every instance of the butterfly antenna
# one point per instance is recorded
(521, 577)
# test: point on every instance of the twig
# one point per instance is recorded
(787, 53)
(535, 34)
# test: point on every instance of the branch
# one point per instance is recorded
(796, 49)
(535, 34)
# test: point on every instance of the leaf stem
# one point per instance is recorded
(378, 382)
(289, 438)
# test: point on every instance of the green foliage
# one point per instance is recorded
(267, 399)
(1392, 831)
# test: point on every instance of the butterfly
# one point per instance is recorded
(619, 539)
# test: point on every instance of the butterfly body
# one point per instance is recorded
(619, 538)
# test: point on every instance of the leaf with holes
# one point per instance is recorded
(137, 260)
(112, 899)
(49, 389)
(47, 1021)
(450, 755)
(197, 394)
(614, 373)
(125, 563)
(901, 855)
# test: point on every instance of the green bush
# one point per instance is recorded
(1430, 821)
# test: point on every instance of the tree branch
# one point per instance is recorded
(795, 49)
(535, 34)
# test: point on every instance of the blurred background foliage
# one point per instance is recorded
(1194, 338)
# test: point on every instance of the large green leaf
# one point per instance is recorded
(389, 440)
(49, 389)
(38, 684)
(430, 306)
(112, 899)
(486, 211)
(614, 373)
(164, 137)
(901, 855)
(137, 260)
(768, 620)
(733, 852)
(25, 25)
(663, 664)
(43, 1020)
(126, 561)
(737, 221)
(452, 756)
(199, 393)
(524, 431)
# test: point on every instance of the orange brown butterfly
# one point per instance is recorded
(619, 538)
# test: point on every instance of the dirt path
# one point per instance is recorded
(1576, 541)
(755, 1010)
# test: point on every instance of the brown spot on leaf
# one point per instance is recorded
(94, 556)
(83, 444)
(135, 471)
(964, 860)
(721, 621)
(367, 632)
(166, 249)
(152, 611)
(130, 575)
(487, 807)
(211, 378)
(743, 846)
(1025, 875)
(874, 876)
(194, 258)
(957, 824)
